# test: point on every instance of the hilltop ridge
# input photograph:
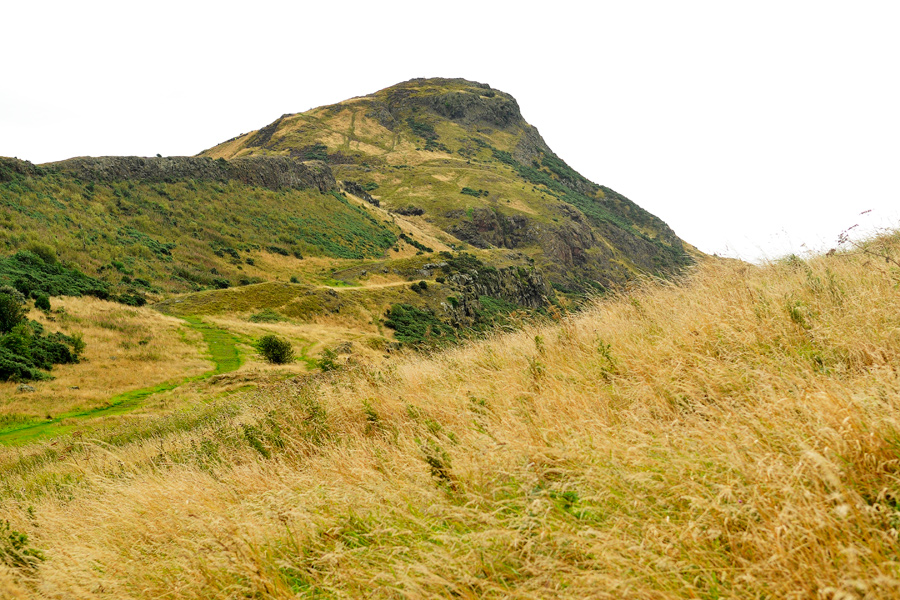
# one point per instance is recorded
(461, 152)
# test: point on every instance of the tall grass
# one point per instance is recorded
(731, 436)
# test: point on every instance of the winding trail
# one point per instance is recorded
(222, 351)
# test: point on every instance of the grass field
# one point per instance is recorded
(734, 435)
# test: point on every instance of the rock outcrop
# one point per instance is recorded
(523, 286)
(273, 172)
(10, 168)
(478, 105)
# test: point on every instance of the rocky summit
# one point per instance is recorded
(458, 159)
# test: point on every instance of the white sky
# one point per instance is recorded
(751, 128)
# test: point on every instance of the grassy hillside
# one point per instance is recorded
(733, 435)
(149, 237)
(459, 154)
(421, 215)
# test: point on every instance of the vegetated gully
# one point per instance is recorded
(222, 351)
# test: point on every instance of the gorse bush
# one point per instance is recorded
(42, 301)
(275, 350)
(25, 351)
(12, 311)
(31, 274)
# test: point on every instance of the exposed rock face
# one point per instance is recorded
(276, 172)
(360, 192)
(519, 285)
(273, 172)
(11, 167)
(489, 228)
(478, 105)
(530, 145)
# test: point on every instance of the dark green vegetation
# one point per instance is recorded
(419, 327)
(274, 349)
(142, 237)
(415, 243)
(36, 274)
(26, 351)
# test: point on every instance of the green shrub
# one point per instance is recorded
(415, 243)
(275, 350)
(29, 273)
(25, 352)
(42, 301)
(476, 193)
(44, 252)
(415, 326)
(12, 312)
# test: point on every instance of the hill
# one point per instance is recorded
(460, 154)
(732, 435)
(419, 216)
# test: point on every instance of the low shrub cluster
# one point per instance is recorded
(26, 351)
(476, 193)
(415, 243)
(419, 327)
(33, 275)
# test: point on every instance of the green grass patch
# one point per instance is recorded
(222, 351)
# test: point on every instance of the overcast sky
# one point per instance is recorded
(752, 128)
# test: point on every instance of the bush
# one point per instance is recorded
(30, 273)
(42, 301)
(275, 350)
(418, 327)
(12, 312)
(44, 252)
(477, 193)
(26, 352)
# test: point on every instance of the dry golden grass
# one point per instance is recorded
(735, 436)
(126, 348)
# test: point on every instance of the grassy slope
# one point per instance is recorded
(734, 436)
(408, 172)
(185, 235)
